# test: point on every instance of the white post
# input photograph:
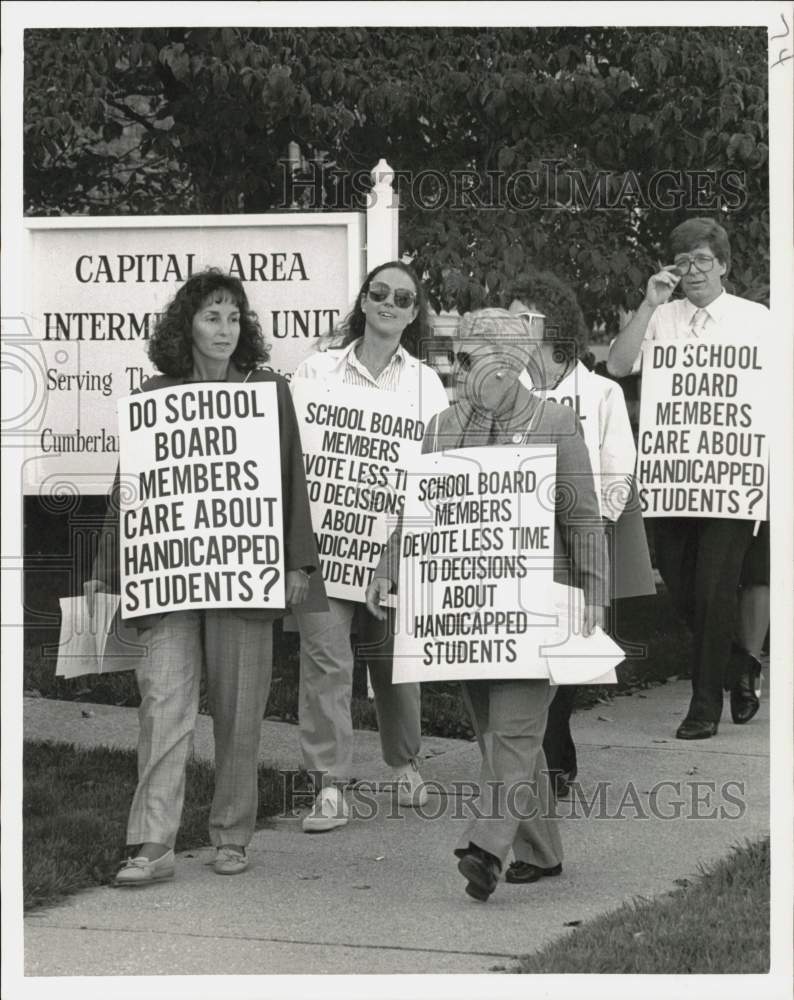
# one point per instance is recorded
(294, 161)
(383, 217)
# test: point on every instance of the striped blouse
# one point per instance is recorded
(356, 373)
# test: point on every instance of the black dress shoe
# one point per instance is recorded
(744, 700)
(481, 869)
(695, 729)
(522, 873)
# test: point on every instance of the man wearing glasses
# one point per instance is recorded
(705, 562)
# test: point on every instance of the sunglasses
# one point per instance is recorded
(379, 291)
(536, 323)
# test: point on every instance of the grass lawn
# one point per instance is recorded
(719, 923)
(74, 808)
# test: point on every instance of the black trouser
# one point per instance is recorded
(558, 743)
(701, 561)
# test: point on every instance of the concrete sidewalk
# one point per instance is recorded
(383, 895)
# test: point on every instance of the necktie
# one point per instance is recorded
(698, 322)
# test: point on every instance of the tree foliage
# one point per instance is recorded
(515, 145)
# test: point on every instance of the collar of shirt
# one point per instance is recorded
(715, 309)
(350, 358)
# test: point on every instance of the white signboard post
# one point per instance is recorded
(358, 446)
(703, 447)
(201, 521)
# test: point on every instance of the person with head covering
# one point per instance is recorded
(557, 373)
(381, 337)
(514, 811)
(208, 334)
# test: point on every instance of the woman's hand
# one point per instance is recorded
(91, 587)
(377, 592)
(296, 586)
(593, 616)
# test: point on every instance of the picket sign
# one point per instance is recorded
(477, 598)
(201, 522)
(703, 445)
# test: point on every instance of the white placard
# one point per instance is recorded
(357, 446)
(201, 504)
(476, 594)
(703, 447)
(477, 597)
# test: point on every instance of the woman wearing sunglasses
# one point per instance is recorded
(382, 334)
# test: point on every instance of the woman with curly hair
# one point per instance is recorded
(172, 346)
(207, 333)
(380, 337)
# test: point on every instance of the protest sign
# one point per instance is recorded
(703, 448)
(201, 504)
(95, 644)
(357, 447)
(477, 598)
(582, 392)
(598, 403)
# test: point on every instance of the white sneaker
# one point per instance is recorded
(329, 812)
(407, 780)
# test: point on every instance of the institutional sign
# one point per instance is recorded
(98, 284)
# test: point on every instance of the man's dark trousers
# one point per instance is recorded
(700, 560)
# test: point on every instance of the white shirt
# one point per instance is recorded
(601, 408)
(357, 373)
(728, 315)
(404, 373)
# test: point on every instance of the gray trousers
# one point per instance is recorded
(326, 683)
(515, 806)
(238, 654)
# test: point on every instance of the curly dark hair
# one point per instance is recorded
(170, 347)
(550, 295)
(352, 326)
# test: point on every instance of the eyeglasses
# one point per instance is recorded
(683, 265)
(379, 291)
(536, 323)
